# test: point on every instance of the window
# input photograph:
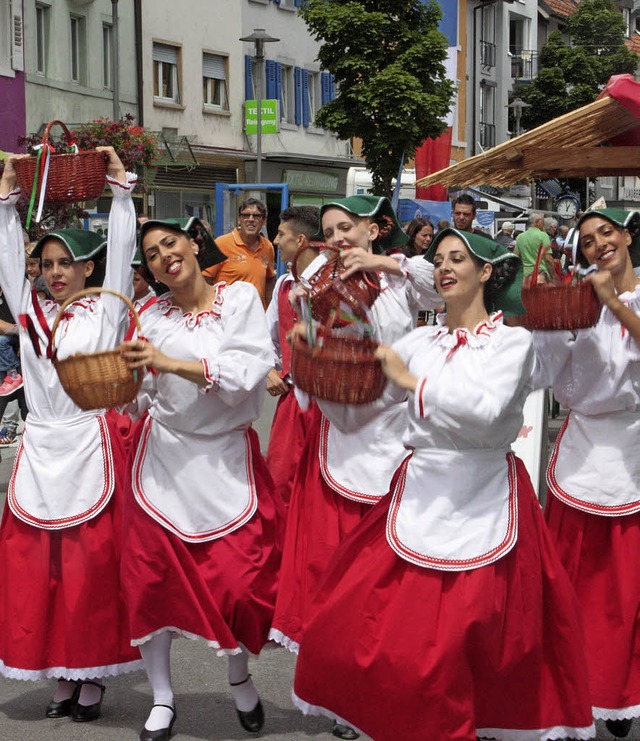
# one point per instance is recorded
(107, 42)
(165, 73)
(626, 17)
(77, 48)
(5, 35)
(312, 94)
(487, 115)
(42, 38)
(214, 81)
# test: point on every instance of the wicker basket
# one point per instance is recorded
(342, 369)
(563, 306)
(71, 177)
(96, 380)
(327, 291)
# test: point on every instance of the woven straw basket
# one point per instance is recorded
(563, 306)
(72, 177)
(342, 369)
(327, 291)
(97, 380)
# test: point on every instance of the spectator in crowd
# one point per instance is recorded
(420, 232)
(443, 224)
(529, 243)
(463, 211)
(551, 228)
(505, 235)
(251, 256)
(562, 235)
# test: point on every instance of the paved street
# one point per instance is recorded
(204, 705)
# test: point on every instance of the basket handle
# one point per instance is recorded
(91, 292)
(307, 246)
(536, 267)
(50, 125)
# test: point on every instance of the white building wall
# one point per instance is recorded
(51, 93)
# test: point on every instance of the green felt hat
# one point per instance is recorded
(192, 227)
(619, 217)
(82, 244)
(372, 207)
(507, 292)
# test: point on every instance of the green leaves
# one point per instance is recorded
(387, 57)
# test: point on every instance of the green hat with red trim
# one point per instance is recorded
(623, 220)
(378, 209)
(505, 286)
(82, 244)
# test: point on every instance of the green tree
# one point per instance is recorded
(572, 74)
(387, 59)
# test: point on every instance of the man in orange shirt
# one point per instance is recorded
(250, 256)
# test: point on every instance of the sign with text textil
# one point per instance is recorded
(270, 123)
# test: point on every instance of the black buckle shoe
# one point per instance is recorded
(63, 708)
(251, 720)
(87, 713)
(160, 734)
(619, 728)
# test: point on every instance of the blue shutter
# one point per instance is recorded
(333, 87)
(248, 77)
(279, 86)
(325, 86)
(298, 3)
(297, 76)
(272, 81)
(305, 98)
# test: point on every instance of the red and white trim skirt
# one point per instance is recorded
(61, 608)
(319, 520)
(600, 554)
(222, 590)
(405, 652)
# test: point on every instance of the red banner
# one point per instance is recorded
(432, 156)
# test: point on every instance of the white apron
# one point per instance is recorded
(454, 510)
(216, 492)
(63, 473)
(595, 464)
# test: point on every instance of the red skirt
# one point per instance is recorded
(221, 590)
(289, 432)
(319, 520)
(62, 612)
(600, 555)
(404, 652)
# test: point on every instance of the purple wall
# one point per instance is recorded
(12, 111)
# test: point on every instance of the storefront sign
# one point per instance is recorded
(311, 181)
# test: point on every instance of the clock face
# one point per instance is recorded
(567, 208)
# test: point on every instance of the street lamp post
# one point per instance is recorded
(259, 38)
(517, 106)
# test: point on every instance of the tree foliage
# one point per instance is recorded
(572, 74)
(387, 58)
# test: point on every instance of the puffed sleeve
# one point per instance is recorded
(15, 286)
(272, 316)
(417, 279)
(553, 352)
(245, 356)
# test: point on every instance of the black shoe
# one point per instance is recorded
(86, 713)
(340, 730)
(63, 708)
(619, 728)
(160, 734)
(250, 720)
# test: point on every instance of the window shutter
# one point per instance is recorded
(297, 77)
(279, 86)
(248, 77)
(17, 39)
(165, 53)
(213, 66)
(271, 80)
(325, 84)
(305, 98)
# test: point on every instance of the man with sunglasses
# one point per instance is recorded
(250, 256)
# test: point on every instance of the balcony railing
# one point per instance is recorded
(524, 64)
(487, 135)
(487, 54)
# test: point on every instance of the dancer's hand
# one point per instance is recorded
(395, 369)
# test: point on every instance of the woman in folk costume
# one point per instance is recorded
(593, 510)
(203, 528)
(61, 609)
(298, 225)
(351, 452)
(447, 614)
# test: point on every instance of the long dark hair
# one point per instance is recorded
(413, 228)
(503, 273)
